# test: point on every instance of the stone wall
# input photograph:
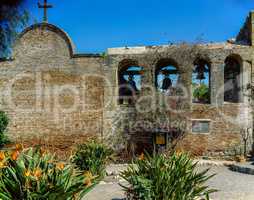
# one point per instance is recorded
(226, 119)
(52, 96)
(58, 98)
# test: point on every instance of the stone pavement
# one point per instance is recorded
(246, 168)
(231, 185)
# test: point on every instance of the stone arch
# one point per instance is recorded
(167, 75)
(129, 80)
(233, 67)
(41, 34)
(201, 80)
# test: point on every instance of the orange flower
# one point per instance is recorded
(60, 166)
(88, 175)
(179, 152)
(42, 151)
(27, 173)
(38, 173)
(142, 156)
(14, 155)
(18, 147)
(88, 182)
(2, 165)
(2, 156)
(88, 178)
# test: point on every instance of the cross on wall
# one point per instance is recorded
(45, 6)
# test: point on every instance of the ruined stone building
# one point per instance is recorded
(56, 97)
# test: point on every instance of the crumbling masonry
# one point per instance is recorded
(58, 98)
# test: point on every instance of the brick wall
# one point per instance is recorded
(58, 98)
(52, 97)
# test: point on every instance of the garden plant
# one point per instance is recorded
(92, 156)
(33, 174)
(4, 121)
(160, 177)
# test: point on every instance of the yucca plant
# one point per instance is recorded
(32, 174)
(92, 156)
(165, 178)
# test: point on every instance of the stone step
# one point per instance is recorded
(246, 168)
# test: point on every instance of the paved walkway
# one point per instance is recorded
(232, 186)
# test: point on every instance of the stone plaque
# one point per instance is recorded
(200, 126)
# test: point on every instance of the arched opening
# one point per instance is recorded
(232, 80)
(201, 83)
(167, 78)
(129, 81)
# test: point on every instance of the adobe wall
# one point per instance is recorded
(51, 95)
(226, 119)
(58, 98)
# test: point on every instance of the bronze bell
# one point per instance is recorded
(201, 76)
(167, 83)
(200, 70)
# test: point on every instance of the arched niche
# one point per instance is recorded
(233, 79)
(129, 81)
(167, 77)
(201, 81)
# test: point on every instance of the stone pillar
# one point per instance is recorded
(146, 97)
(186, 81)
(110, 116)
(245, 80)
(217, 83)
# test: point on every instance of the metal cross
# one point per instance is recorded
(45, 6)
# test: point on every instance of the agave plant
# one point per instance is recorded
(33, 174)
(161, 178)
(92, 156)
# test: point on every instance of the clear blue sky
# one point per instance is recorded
(96, 25)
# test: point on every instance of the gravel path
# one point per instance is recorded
(231, 186)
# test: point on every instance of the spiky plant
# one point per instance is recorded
(165, 178)
(33, 174)
(92, 156)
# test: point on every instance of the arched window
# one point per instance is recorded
(167, 78)
(129, 81)
(201, 89)
(232, 82)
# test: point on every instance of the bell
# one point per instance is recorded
(167, 83)
(200, 76)
(200, 70)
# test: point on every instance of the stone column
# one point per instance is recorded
(217, 83)
(146, 99)
(245, 80)
(110, 116)
(186, 81)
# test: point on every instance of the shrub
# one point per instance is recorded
(202, 93)
(4, 121)
(161, 178)
(33, 174)
(92, 156)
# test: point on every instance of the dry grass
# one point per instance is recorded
(60, 145)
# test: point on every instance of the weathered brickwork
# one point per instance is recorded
(226, 119)
(51, 96)
(58, 98)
